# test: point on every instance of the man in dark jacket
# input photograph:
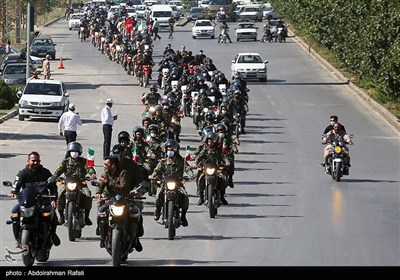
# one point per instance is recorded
(34, 175)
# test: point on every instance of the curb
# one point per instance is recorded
(9, 116)
(360, 93)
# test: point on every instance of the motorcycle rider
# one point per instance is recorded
(212, 152)
(225, 27)
(34, 174)
(336, 134)
(238, 104)
(333, 120)
(116, 180)
(75, 166)
(229, 148)
(267, 35)
(174, 163)
(152, 99)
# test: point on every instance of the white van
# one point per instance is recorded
(162, 13)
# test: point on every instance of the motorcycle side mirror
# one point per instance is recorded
(52, 179)
(7, 183)
(266, 61)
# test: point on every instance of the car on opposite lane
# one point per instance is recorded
(203, 28)
(42, 46)
(250, 66)
(246, 30)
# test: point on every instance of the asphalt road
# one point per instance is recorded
(283, 211)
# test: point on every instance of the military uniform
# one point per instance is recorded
(167, 167)
(77, 169)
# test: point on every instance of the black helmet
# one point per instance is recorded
(210, 115)
(202, 91)
(138, 129)
(212, 136)
(226, 122)
(74, 146)
(146, 119)
(172, 143)
(153, 86)
(158, 108)
(123, 135)
(222, 127)
(117, 151)
(153, 127)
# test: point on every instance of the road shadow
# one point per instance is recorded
(257, 161)
(256, 153)
(17, 136)
(10, 155)
(251, 169)
(259, 195)
(75, 262)
(370, 181)
(172, 262)
(238, 216)
(87, 121)
(255, 205)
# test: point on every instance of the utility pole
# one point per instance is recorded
(28, 40)
(18, 23)
(4, 19)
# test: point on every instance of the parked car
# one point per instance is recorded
(196, 13)
(15, 73)
(246, 30)
(250, 12)
(42, 46)
(36, 62)
(203, 28)
(44, 99)
(269, 13)
(250, 66)
(74, 20)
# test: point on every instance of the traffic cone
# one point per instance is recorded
(61, 65)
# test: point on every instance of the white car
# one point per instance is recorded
(74, 20)
(246, 30)
(250, 66)
(203, 28)
(113, 11)
(44, 99)
(251, 12)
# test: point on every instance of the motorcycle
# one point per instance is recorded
(267, 36)
(75, 215)
(170, 209)
(336, 167)
(214, 178)
(146, 75)
(121, 226)
(35, 216)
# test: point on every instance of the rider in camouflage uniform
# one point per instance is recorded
(174, 163)
(75, 166)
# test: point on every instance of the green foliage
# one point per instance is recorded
(364, 35)
(7, 97)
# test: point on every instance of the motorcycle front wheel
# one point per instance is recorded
(170, 220)
(211, 201)
(70, 220)
(116, 247)
(27, 257)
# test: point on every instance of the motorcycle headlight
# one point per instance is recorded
(171, 186)
(71, 186)
(27, 212)
(210, 171)
(117, 210)
(338, 149)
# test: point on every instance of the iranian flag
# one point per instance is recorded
(142, 27)
(187, 156)
(90, 157)
(225, 145)
(134, 153)
(143, 97)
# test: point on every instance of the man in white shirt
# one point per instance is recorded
(107, 119)
(68, 124)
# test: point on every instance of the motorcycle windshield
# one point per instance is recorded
(27, 196)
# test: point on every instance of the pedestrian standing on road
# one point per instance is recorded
(46, 68)
(156, 25)
(68, 125)
(107, 119)
(8, 47)
(171, 23)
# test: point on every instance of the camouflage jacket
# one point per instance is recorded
(167, 167)
(77, 169)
